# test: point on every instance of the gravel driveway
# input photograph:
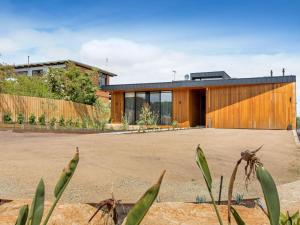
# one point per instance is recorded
(129, 163)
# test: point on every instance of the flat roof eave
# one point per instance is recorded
(199, 84)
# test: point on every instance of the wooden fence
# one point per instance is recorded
(50, 107)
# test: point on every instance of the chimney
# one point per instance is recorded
(283, 71)
(271, 72)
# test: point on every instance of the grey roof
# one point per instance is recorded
(209, 75)
(200, 84)
(61, 62)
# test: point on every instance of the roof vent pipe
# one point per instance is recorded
(283, 71)
(271, 72)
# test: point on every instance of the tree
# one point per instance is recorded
(72, 84)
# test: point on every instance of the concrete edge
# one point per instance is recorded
(296, 138)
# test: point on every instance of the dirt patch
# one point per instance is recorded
(129, 163)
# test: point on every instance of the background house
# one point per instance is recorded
(99, 76)
(211, 99)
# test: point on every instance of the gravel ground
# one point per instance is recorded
(129, 163)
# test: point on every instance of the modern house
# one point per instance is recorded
(211, 99)
(99, 76)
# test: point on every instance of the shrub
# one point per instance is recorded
(77, 123)
(86, 122)
(52, 122)
(200, 199)
(125, 123)
(69, 123)
(20, 118)
(239, 198)
(147, 117)
(32, 119)
(174, 124)
(100, 124)
(61, 121)
(42, 119)
(7, 117)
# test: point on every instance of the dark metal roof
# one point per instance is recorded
(201, 84)
(209, 75)
(62, 62)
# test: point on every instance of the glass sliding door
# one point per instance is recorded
(166, 108)
(140, 100)
(154, 100)
(130, 107)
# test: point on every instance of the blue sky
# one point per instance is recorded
(146, 40)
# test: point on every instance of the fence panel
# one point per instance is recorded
(50, 107)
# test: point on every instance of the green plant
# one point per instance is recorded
(265, 179)
(32, 119)
(52, 122)
(174, 124)
(100, 124)
(86, 122)
(7, 117)
(69, 123)
(202, 164)
(37, 207)
(72, 84)
(200, 199)
(125, 123)
(20, 118)
(61, 121)
(139, 210)
(147, 117)
(77, 123)
(286, 219)
(239, 198)
(42, 119)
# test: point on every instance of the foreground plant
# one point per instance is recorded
(254, 166)
(37, 207)
(203, 165)
(139, 210)
(252, 162)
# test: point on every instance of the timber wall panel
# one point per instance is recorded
(181, 104)
(267, 106)
(50, 107)
(117, 106)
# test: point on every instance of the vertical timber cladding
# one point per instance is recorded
(117, 107)
(181, 107)
(265, 106)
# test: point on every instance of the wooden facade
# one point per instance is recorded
(255, 106)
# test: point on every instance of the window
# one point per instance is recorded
(102, 80)
(166, 108)
(130, 107)
(140, 100)
(37, 72)
(160, 103)
(155, 104)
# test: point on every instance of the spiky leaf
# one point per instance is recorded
(270, 193)
(63, 182)
(139, 210)
(202, 164)
(237, 217)
(37, 206)
(22, 217)
(66, 175)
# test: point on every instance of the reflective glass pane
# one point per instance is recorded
(130, 107)
(139, 102)
(166, 108)
(155, 104)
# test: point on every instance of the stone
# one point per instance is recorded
(71, 214)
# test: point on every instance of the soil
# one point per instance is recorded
(128, 164)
